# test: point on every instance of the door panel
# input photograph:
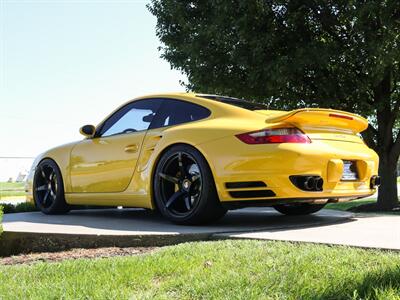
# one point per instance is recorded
(105, 165)
(153, 137)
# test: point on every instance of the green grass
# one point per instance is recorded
(12, 189)
(345, 206)
(4, 194)
(350, 204)
(12, 185)
(214, 270)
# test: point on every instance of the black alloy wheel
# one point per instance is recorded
(184, 187)
(48, 189)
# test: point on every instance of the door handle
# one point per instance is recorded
(155, 139)
(131, 148)
(158, 137)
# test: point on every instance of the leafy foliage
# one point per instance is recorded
(9, 208)
(290, 54)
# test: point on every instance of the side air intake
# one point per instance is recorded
(251, 194)
(244, 184)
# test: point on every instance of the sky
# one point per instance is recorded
(68, 63)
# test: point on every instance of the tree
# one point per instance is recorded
(290, 54)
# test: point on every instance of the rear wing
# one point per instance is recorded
(320, 117)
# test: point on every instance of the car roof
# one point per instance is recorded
(211, 100)
(216, 104)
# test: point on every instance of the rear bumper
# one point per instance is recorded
(273, 164)
(271, 202)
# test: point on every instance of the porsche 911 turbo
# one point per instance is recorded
(193, 156)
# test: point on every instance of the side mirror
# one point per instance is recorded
(148, 118)
(87, 130)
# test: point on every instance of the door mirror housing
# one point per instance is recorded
(87, 130)
(148, 118)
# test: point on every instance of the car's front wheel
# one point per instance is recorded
(298, 209)
(48, 188)
(184, 188)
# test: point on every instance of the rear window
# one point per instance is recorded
(174, 112)
(236, 102)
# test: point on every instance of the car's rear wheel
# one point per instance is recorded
(298, 209)
(184, 187)
(48, 188)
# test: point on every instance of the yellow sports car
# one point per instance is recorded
(194, 156)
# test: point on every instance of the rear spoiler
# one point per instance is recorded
(320, 117)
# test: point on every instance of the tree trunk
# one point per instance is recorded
(387, 195)
(386, 144)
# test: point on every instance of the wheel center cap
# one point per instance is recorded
(186, 184)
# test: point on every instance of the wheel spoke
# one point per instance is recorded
(195, 177)
(180, 183)
(46, 197)
(42, 188)
(169, 178)
(51, 175)
(173, 198)
(187, 202)
(181, 166)
(55, 183)
(42, 172)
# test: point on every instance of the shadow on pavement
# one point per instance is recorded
(100, 221)
(36, 232)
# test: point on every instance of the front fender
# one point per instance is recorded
(61, 156)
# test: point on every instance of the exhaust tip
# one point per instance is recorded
(375, 182)
(319, 183)
(308, 183)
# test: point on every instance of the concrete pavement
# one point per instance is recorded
(370, 231)
(132, 222)
(34, 231)
(25, 232)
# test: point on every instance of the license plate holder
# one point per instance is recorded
(350, 172)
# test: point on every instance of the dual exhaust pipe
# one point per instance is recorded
(308, 183)
(313, 183)
(375, 182)
(316, 183)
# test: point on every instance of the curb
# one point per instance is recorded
(13, 243)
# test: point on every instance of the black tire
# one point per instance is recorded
(184, 188)
(298, 209)
(48, 188)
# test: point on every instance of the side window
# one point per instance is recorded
(174, 112)
(135, 116)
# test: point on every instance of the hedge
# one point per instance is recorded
(9, 208)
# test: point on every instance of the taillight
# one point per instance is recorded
(274, 135)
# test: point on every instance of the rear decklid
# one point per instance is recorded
(321, 124)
